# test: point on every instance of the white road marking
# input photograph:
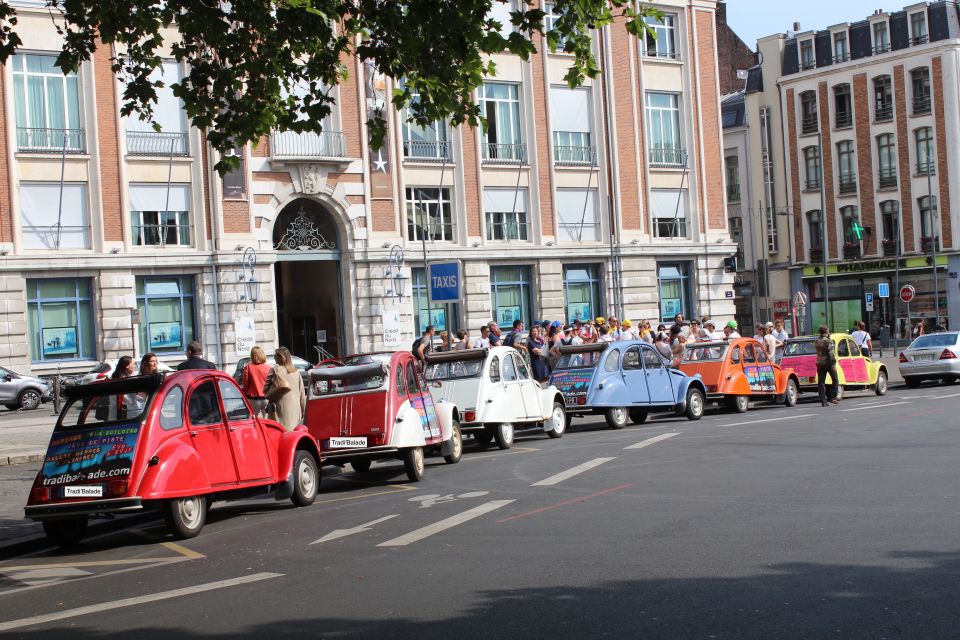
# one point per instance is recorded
(865, 406)
(446, 523)
(737, 424)
(949, 395)
(44, 575)
(427, 500)
(336, 534)
(130, 602)
(569, 473)
(650, 441)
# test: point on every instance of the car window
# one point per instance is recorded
(171, 411)
(412, 388)
(522, 371)
(204, 407)
(495, 369)
(652, 360)
(735, 355)
(233, 402)
(935, 340)
(631, 359)
(800, 348)
(401, 382)
(114, 407)
(509, 370)
(612, 363)
(853, 348)
(843, 350)
(749, 354)
(762, 355)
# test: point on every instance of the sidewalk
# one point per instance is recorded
(24, 434)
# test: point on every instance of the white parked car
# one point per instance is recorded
(494, 394)
(930, 357)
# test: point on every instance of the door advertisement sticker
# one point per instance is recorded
(761, 378)
(92, 454)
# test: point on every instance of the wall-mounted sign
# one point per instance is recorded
(391, 328)
(444, 282)
(246, 334)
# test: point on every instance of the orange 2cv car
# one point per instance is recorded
(738, 371)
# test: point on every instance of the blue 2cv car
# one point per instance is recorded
(624, 380)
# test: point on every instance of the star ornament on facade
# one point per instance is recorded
(380, 164)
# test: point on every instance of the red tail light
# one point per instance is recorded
(581, 400)
(101, 376)
(41, 494)
(117, 488)
(469, 416)
(903, 358)
(948, 355)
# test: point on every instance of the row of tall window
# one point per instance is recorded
(881, 41)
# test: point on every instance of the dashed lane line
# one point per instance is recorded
(446, 523)
(565, 503)
(498, 454)
(865, 406)
(569, 473)
(781, 419)
(131, 602)
(653, 440)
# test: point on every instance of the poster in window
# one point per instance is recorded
(578, 311)
(59, 341)
(506, 315)
(670, 306)
(165, 335)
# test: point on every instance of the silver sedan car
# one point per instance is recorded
(22, 392)
(931, 357)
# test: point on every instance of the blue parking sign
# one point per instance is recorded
(869, 297)
(883, 289)
(444, 282)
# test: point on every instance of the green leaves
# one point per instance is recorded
(254, 66)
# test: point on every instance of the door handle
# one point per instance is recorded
(232, 428)
(194, 434)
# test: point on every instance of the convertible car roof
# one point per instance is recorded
(460, 355)
(584, 348)
(355, 371)
(133, 384)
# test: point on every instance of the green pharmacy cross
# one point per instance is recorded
(857, 229)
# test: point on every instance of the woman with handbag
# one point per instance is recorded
(254, 379)
(284, 391)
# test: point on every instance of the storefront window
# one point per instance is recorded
(166, 313)
(674, 285)
(581, 291)
(444, 317)
(61, 319)
(510, 290)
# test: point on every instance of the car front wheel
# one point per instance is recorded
(881, 387)
(558, 421)
(413, 463)
(28, 399)
(306, 479)
(456, 445)
(791, 394)
(483, 438)
(185, 517)
(638, 416)
(65, 533)
(617, 417)
(694, 404)
(504, 435)
(361, 465)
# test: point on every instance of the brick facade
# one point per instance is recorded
(541, 117)
(943, 166)
(828, 216)
(793, 162)
(108, 141)
(733, 54)
(903, 158)
(628, 137)
(868, 209)
(711, 135)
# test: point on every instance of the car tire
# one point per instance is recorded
(185, 517)
(483, 438)
(503, 434)
(306, 479)
(791, 394)
(881, 387)
(361, 465)
(617, 417)
(911, 381)
(12, 407)
(740, 404)
(638, 416)
(29, 399)
(454, 456)
(558, 420)
(413, 463)
(694, 404)
(65, 533)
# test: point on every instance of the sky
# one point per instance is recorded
(753, 19)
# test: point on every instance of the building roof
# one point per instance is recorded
(733, 110)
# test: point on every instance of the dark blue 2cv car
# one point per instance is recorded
(624, 380)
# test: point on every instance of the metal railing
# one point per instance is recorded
(890, 247)
(156, 143)
(668, 157)
(816, 254)
(927, 243)
(921, 105)
(813, 184)
(925, 168)
(884, 48)
(919, 40)
(809, 124)
(843, 57)
(426, 150)
(808, 64)
(887, 178)
(844, 119)
(567, 155)
(504, 153)
(149, 235)
(506, 230)
(291, 144)
(42, 140)
(883, 112)
(851, 250)
(847, 184)
(663, 55)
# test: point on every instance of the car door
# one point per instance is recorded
(659, 378)
(845, 360)
(766, 378)
(630, 363)
(8, 386)
(529, 389)
(209, 434)
(861, 374)
(432, 424)
(510, 379)
(246, 435)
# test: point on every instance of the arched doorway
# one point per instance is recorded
(308, 277)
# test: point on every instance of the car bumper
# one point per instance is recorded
(85, 508)
(930, 368)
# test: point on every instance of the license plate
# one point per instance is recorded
(84, 491)
(347, 443)
(922, 357)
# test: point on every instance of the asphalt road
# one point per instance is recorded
(779, 523)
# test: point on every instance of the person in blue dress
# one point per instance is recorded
(537, 348)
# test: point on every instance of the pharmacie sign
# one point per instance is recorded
(872, 266)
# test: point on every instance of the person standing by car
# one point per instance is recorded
(781, 335)
(286, 407)
(483, 342)
(461, 342)
(149, 365)
(126, 367)
(195, 358)
(537, 349)
(496, 336)
(862, 337)
(826, 364)
(424, 344)
(254, 379)
(769, 342)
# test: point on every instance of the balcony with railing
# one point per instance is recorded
(42, 140)
(926, 168)
(884, 112)
(575, 156)
(161, 235)
(844, 119)
(507, 226)
(809, 124)
(918, 40)
(921, 104)
(504, 153)
(816, 254)
(292, 144)
(426, 151)
(847, 184)
(158, 144)
(813, 184)
(668, 158)
(733, 193)
(666, 54)
(890, 247)
(929, 244)
(851, 250)
(883, 48)
(887, 178)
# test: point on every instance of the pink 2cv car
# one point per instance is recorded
(173, 442)
(378, 406)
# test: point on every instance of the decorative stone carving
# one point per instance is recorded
(313, 179)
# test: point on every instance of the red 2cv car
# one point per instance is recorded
(378, 406)
(172, 442)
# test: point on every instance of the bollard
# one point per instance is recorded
(56, 394)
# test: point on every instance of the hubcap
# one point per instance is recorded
(882, 382)
(457, 443)
(791, 392)
(559, 420)
(190, 510)
(696, 404)
(620, 415)
(506, 430)
(743, 402)
(31, 399)
(307, 478)
(418, 460)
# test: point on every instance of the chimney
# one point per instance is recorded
(796, 27)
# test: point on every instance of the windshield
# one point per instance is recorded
(935, 340)
(455, 369)
(704, 353)
(800, 348)
(585, 360)
(348, 383)
(94, 411)
(103, 367)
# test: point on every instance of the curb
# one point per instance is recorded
(7, 461)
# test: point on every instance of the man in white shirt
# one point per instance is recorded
(483, 342)
(730, 330)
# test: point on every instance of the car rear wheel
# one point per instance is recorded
(694, 404)
(791, 394)
(306, 479)
(185, 517)
(66, 533)
(504, 435)
(361, 465)
(881, 387)
(413, 463)
(483, 438)
(911, 381)
(740, 404)
(558, 421)
(456, 445)
(617, 417)
(28, 399)
(638, 416)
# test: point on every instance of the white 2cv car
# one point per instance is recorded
(494, 394)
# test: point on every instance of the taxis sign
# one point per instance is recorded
(444, 282)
